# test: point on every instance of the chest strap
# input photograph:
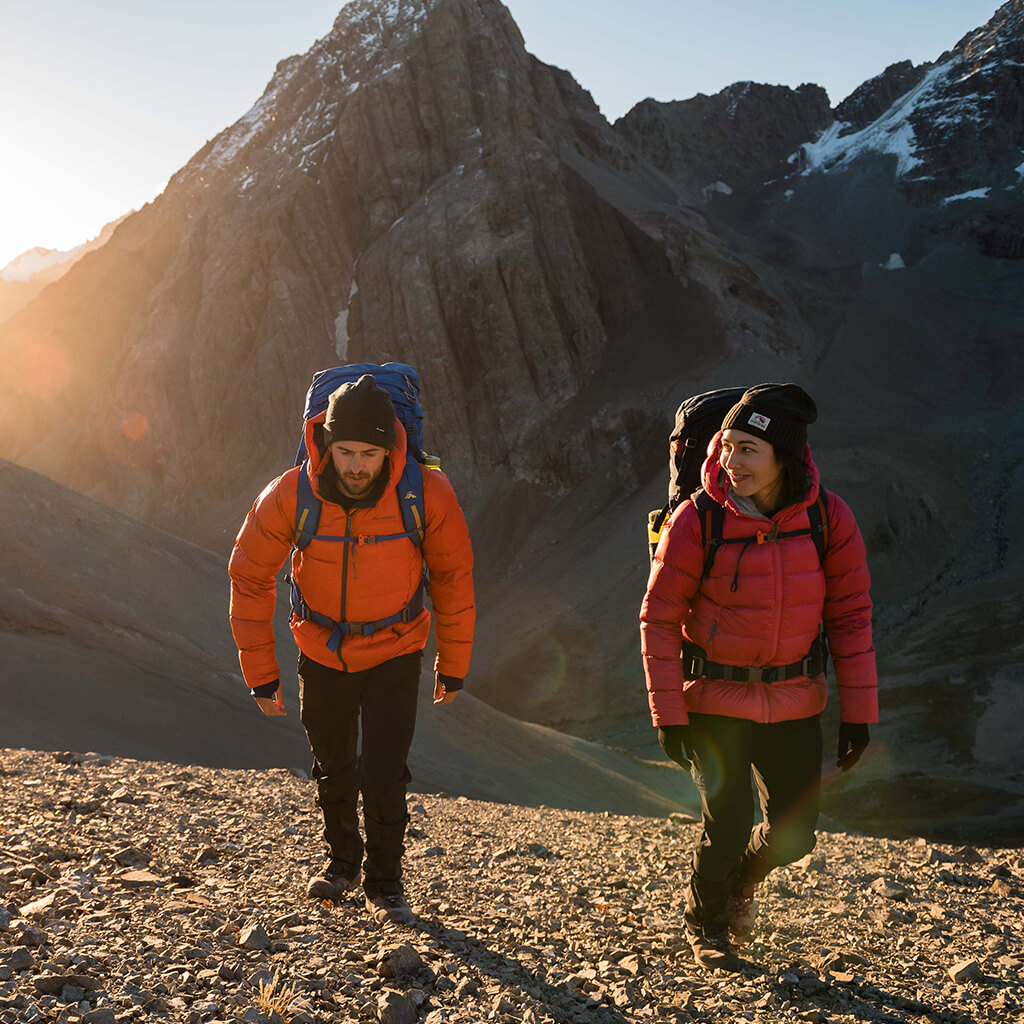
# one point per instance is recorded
(340, 629)
(696, 666)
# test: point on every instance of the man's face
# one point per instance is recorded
(357, 465)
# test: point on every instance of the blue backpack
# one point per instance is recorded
(402, 383)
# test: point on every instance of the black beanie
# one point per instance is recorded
(361, 412)
(777, 412)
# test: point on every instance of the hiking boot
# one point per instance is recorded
(741, 912)
(707, 927)
(387, 904)
(332, 883)
(711, 947)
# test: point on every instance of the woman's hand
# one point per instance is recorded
(853, 740)
(671, 739)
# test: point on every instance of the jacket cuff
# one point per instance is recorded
(266, 690)
(450, 683)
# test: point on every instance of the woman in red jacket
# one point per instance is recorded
(735, 660)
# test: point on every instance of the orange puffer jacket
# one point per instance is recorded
(373, 582)
(782, 594)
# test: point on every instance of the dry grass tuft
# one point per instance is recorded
(276, 997)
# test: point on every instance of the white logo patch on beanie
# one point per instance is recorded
(759, 420)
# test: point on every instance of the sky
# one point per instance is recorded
(101, 102)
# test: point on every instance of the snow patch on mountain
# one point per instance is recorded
(891, 133)
(976, 193)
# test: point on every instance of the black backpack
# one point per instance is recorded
(698, 419)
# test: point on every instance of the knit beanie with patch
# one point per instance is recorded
(361, 411)
(779, 413)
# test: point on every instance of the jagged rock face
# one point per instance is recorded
(399, 192)
(737, 138)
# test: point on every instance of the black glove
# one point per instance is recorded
(853, 739)
(269, 698)
(450, 683)
(446, 688)
(671, 739)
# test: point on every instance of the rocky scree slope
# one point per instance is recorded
(145, 891)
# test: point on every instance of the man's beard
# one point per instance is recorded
(356, 487)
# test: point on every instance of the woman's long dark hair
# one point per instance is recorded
(795, 479)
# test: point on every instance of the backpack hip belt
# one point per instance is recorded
(696, 666)
(340, 629)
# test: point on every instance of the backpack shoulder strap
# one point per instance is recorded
(307, 510)
(817, 516)
(410, 499)
(712, 526)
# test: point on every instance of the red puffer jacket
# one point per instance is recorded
(372, 583)
(782, 595)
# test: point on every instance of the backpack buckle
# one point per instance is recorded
(769, 673)
(696, 666)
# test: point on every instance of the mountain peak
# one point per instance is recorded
(950, 126)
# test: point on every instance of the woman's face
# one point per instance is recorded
(753, 469)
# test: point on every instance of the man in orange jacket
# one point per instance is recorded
(368, 587)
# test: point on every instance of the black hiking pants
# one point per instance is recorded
(784, 759)
(333, 703)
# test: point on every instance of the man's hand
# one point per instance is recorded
(446, 688)
(269, 698)
(853, 739)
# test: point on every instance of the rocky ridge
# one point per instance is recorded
(143, 891)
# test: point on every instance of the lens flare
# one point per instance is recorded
(134, 425)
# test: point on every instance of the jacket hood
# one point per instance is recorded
(318, 457)
(715, 481)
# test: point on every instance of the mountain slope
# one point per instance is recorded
(28, 274)
(114, 637)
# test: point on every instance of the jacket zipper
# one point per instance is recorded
(344, 582)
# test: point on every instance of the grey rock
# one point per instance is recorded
(252, 936)
(965, 971)
(53, 984)
(32, 937)
(889, 889)
(400, 960)
(18, 959)
(394, 1008)
(101, 1015)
